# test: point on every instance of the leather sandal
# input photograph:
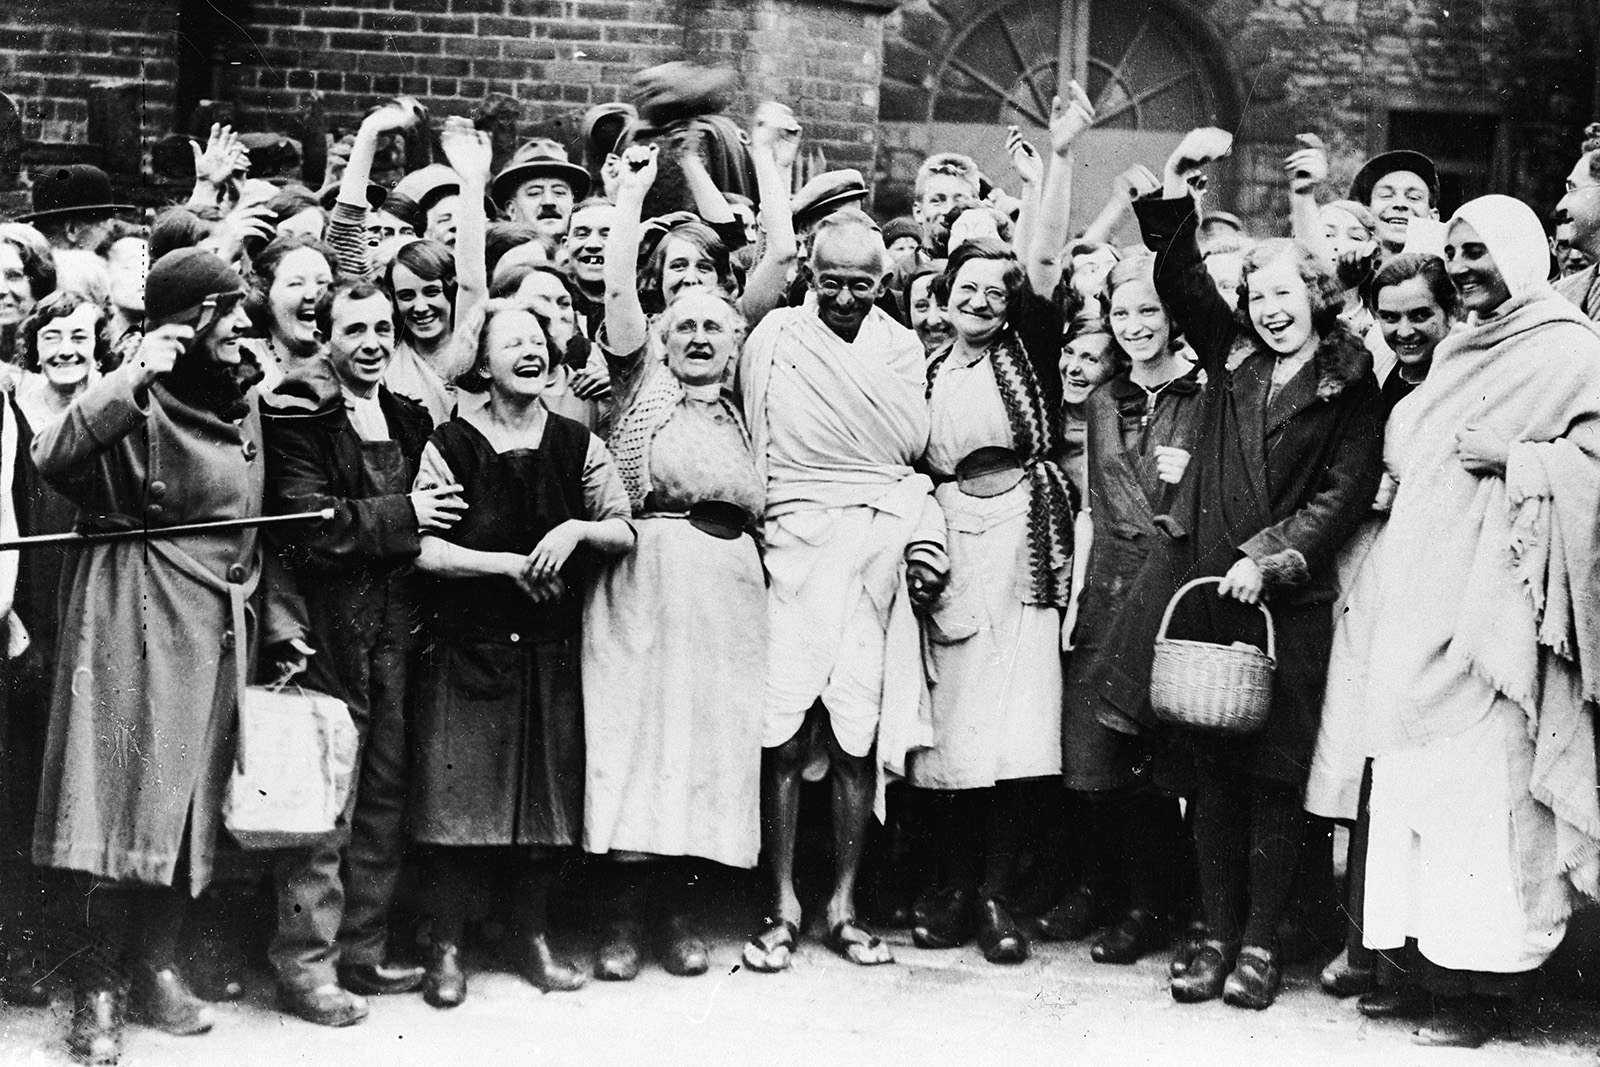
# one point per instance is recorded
(1136, 934)
(1255, 980)
(772, 949)
(854, 942)
(444, 983)
(1206, 974)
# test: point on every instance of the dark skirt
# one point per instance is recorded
(498, 745)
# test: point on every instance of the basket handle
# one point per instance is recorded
(1166, 617)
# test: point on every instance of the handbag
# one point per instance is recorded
(293, 765)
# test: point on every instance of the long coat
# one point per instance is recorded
(1284, 483)
(143, 717)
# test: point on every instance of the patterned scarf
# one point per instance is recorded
(1038, 437)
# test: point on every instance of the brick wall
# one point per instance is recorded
(52, 51)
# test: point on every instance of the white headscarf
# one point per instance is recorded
(1515, 238)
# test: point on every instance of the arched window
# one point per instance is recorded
(957, 72)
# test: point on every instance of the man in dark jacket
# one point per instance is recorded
(337, 438)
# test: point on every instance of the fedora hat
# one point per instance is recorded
(540, 157)
(76, 189)
(1386, 163)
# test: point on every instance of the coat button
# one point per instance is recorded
(236, 573)
(515, 638)
(158, 488)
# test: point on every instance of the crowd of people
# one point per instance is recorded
(658, 488)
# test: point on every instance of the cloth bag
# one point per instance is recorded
(293, 764)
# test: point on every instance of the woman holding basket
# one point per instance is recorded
(1285, 465)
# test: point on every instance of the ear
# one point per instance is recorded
(916, 211)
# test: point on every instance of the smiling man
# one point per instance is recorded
(539, 186)
(1580, 208)
(1397, 187)
(585, 245)
(337, 438)
(834, 393)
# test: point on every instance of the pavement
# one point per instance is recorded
(930, 1008)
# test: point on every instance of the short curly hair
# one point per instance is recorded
(58, 305)
(1322, 287)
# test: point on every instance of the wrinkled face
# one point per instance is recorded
(1342, 230)
(543, 203)
(1085, 366)
(442, 219)
(1280, 306)
(302, 277)
(423, 303)
(1089, 270)
(1473, 270)
(971, 225)
(221, 344)
(361, 340)
(685, 265)
(308, 222)
(544, 295)
(381, 226)
(1139, 322)
(66, 348)
(701, 335)
(929, 317)
(1224, 268)
(16, 293)
(940, 193)
(1581, 204)
(586, 244)
(129, 263)
(978, 300)
(1412, 322)
(848, 278)
(1397, 198)
(519, 357)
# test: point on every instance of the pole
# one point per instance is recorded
(159, 533)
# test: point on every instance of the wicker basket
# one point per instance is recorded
(1205, 686)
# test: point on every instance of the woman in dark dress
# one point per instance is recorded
(1285, 466)
(498, 727)
(1141, 429)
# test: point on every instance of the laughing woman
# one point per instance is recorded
(287, 279)
(1285, 466)
(498, 726)
(1483, 811)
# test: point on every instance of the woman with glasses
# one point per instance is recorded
(675, 635)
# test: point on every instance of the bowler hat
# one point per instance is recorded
(541, 157)
(1374, 170)
(76, 189)
(825, 194)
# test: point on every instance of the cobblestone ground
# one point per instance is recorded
(931, 1008)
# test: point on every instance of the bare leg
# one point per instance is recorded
(780, 817)
(854, 784)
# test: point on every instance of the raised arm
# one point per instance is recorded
(217, 167)
(347, 223)
(626, 325)
(1030, 171)
(774, 141)
(709, 203)
(470, 153)
(1067, 120)
(1307, 167)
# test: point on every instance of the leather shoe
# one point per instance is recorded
(942, 918)
(619, 955)
(998, 935)
(1396, 1002)
(444, 984)
(326, 1005)
(1189, 945)
(1136, 934)
(1255, 980)
(379, 979)
(680, 950)
(1461, 1024)
(1070, 920)
(546, 973)
(163, 1000)
(1341, 980)
(1206, 975)
(96, 1035)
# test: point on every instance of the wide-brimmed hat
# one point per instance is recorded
(74, 190)
(539, 157)
(827, 193)
(1384, 163)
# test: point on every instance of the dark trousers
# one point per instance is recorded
(364, 640)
